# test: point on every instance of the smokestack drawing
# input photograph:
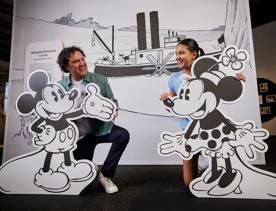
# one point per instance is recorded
(141, 30)
(154, 27)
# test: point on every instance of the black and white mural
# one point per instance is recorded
(52, 168)
(229, 144)
(133, 45)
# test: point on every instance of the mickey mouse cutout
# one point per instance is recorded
(53, 169)
(229, 145)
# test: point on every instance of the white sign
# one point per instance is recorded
(43, 55)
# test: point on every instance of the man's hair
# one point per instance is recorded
(64, 56)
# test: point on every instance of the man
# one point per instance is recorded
(93, 131)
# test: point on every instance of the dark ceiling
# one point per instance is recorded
(262, 11)
(6, 8)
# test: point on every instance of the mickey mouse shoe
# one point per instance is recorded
(52, 181)
(78, 171)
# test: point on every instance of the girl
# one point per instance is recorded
(187, 51)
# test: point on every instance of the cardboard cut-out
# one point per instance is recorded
(52, 168)
(228, 144)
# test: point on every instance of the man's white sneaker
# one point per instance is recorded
(108, 185)
(96, 167)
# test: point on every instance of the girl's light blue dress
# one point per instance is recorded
(175, 83)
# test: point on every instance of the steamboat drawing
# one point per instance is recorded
(156, 60)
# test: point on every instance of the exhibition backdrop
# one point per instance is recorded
(133, 45)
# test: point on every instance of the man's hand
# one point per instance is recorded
(97, 106)
(172, 143)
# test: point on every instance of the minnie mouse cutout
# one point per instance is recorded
(228, 144)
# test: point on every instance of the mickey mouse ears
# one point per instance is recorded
(37, 80)
(26, 101)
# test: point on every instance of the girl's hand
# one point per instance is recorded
(240, 77)
(164, 96)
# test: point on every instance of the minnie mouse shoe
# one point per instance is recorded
(231, 187)
(209, 180)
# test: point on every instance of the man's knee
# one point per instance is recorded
(124, 136)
